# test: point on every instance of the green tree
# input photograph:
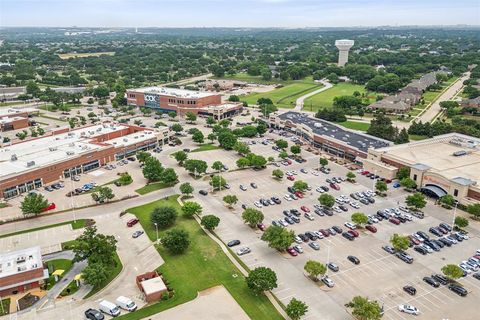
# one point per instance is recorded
(295, 149)
(198, 137)
(256, 161)
(180, 156)
(474, 210)
(227, 140)
(169, 176)
(33, 203)
(416, 200)
(296, 309)
(359, 218)
(364, 309)
(152, 170)
(399, 242)
(195, 166)
(277, 173)
(326, 200)
(261, 279)
(282, 144)
(190, 117)
(212, 137)
(242, 148)
(461, 222)
(408, 183)
(176, 241)
(252, 217)
(243, 162)
(218, 182)
(142, 156)
(95, 274)
(177, 128)
(32, 88)
(217, 166)
(381, 126)
(381, 186)
(351, 176)
(125, 179)
(448, 199)
(300, 185)
(323, 162)
(186, 189)
(283, 154)
(230, 200)
(210, 222)
(103, 194)
(95, 247)
(172, 115)
(211, 121)
(278, 237)
(452, 271)
(191, 208)
(163, 216)
(314, 269)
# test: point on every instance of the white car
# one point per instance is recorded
(294, 172)
(258, 204)
(329, 282)
(354, 205)
(337, 209)
(375, 220)
(350, 225)
(297, 248)
(297, 239)
(287, 197)
(465, 267)
(283, 222)
(319, 190)
(408, 309)
(243, 251)
(309, 216)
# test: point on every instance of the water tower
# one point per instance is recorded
(343, 47)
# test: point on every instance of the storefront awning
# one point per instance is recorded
(434, 191)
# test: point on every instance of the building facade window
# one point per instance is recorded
(22, 188)
(414, 177)
(89, 166)
(455, 193)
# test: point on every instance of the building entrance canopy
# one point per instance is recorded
(433, 191)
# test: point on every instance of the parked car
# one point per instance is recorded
(203, 192)
(292, 252)
(314, 246)
(93, 314)
(132, 222)
(332, 266)
(389, 249)
(353, 259)
(371, 228)
(431, 282)
(49, 207)
(126, 303)
(243, 251)
(461, 291)
(328, 282)
(408, 309)
(233, 243)
(109, 308)
(348, 236)
(410, 290)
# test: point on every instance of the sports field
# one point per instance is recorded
(65, 56)
(284, 97)
(325, 99)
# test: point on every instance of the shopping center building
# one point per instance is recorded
(30, 164)
(445, 164)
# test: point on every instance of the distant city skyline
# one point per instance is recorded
(239, 13)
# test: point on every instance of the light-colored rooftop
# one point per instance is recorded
(153, 285)
(4, 120)
(174, 92)
(438, 154)
(32, 154)
(20, 261)
(9, 112)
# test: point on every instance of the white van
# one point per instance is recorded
(126, 303)
(109, 308)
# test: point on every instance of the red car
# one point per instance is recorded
(388, 181)
(289, 162)
(324, 232)
(132, 222)
(394, 221)
(414, 240)
(354, 233)
(291, 178)
(292, 252)
(334, 186)
(261, 226)
(51, 206)
(299, 194)
(305, 209)
(371, 228)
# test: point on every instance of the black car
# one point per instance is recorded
(402, 219)
(343, 208)
(244, 206)
(410, 290)
(461, 291)
(404, 257)
(446, 226)
(291, 189)
(432, 245)
(311, 235)
(253, 185)
(371, 200)
(438, 243)
(423, 235)
(348, 236)
(290, 220)
(325, 188)
(295, 212)
(303, 237)
(445, 242)
(442, 279)
(233, 243)
(287, 213)
(353, 259)
(337, 229)
(443, 230)
(203, 192)
(93, 314)
(476, 275)
(379, 217)
(328, 212)
(431, 282)
(435, 231)
(420, 250)
(295, 219)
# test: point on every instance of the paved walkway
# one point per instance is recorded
(300, 101)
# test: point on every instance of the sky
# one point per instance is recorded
(237, 13)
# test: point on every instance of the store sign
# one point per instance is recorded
(152, 100)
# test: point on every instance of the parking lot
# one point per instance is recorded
(380, 275)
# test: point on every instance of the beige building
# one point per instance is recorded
(445, 164)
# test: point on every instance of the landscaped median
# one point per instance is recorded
(203, 265)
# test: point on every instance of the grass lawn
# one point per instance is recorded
(202, 266)
(241, 76)
(70, 289)
(114, 270)
(3, 205)
(286, 96)
(153, 187)
(50, 107)
(206, 147)
(11, 103)
(51, 118)
(80, 223)
(325, 98)
(5, 308)
(415, 137)
(57, 264)
(354, 125)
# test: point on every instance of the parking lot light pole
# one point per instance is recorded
(454, 214)
(156, 229)
(71, 197)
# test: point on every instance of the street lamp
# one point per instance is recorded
(454, 213)
(156, 228)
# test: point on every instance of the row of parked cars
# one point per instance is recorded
(110, 308)
(86, 187)
(471, 265)
(55, 186)
(424, 244)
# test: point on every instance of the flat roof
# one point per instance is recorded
(174, 92)
(33, 154)
(4, 120)
(438, 154)
(20, 261)
(153, 285)
(8, 112)
(330, 130)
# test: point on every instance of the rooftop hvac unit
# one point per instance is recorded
(71, 144)
(13, 157)
(71, 134)
(52, 148)
(125, 139)
(99, 129)
(70, 153)
(30, 163)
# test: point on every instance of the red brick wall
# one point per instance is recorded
(20, 124)
(392, 163)
(21, 277)
(473, 194)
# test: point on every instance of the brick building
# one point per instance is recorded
(14, 119)
(28, 165)
(21, 270)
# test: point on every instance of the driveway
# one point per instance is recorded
(299, 103)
